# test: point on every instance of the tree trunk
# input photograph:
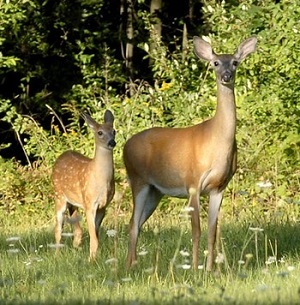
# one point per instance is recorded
(155, 34)
(129, 43)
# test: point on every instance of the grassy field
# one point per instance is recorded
(257, 262)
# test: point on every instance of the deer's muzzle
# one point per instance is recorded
(227, 77)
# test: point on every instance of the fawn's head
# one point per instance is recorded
(224, 64)
(104, 133)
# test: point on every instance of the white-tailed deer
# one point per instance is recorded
(81, 182)
(188, 162)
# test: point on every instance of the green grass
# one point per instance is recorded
(256, 267)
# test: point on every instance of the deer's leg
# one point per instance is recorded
(152, 200)
(74, 220)
(100, 213)
(215, 201)
(145, 202)
(90, 217)
(60, 208)
(196, 229)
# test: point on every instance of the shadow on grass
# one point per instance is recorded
(176, 301)
(161, 244)
(276, 239)
(279, 240)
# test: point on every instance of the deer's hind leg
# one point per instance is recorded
(100, 213)
(145, 200)
(60, 208)
(75, 221)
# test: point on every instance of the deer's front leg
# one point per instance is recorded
(196, 230)
(215, 201)
(90, 217)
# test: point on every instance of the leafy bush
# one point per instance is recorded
(182, 93)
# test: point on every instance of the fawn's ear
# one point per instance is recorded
(245, 48)
(203, 49)
(90, 121)
(109, 117)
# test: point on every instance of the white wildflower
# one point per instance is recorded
(13, 239)
(149, 270)
(143, 253)
(188, 209)
(264, 184)
(271, 260)
(220, 258)
(38, 259)
(67, 234)
(111, 260)
(184, 266)
(111, 233)
(126, 279)
(256, 229)
(184, 253)
(55, 246)
(13, 251)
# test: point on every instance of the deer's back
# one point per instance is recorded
(174, 159)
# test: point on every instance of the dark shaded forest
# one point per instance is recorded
(46, 38)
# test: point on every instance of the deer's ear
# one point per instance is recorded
(90, 121)
(203, 49)
(245, 48)
(108, 117)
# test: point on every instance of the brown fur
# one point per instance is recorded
(81, 182)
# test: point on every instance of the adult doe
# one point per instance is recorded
(188, 162)
(81, 182)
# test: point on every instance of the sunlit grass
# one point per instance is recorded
(257, 261)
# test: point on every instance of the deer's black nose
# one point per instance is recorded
(112, 143)
(227, 77)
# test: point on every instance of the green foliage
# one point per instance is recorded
(181, 92)
(23, 190)
(50, 46)
(267, 90)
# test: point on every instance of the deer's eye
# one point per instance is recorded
(216, 63)
(235, 63)
(100, 132)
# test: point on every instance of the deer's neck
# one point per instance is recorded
(225, 116)
(103, 162)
